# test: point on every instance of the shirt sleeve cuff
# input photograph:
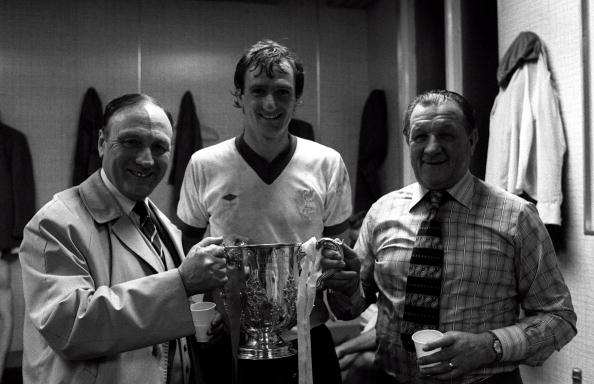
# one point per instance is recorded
(513, 343)
(345, 307)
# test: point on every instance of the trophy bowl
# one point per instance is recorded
(265, 279)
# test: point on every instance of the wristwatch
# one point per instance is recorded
(496, 347)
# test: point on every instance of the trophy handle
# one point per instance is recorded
(334, 244)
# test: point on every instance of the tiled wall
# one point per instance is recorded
(558, 23)
(50, 52)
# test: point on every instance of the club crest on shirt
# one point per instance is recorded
(308, 206)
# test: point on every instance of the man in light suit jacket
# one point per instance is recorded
(105, 302)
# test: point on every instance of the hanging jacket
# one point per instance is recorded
(527, 143)
(188, 139)
(86, 156)
(17, 187)
(301, 129)
(373, 139)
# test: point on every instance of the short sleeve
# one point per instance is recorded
(190, 208)
(338, 204)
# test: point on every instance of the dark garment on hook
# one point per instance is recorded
(373, 147)
(90, 122)
(526, 47)
(17, 189)
(301, 129)
(188, 139)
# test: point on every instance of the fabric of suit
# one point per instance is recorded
(17, 190)
(373, 147)
(97, 297)
(90, 121)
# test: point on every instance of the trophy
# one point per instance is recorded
(260, 297)
(263, 288)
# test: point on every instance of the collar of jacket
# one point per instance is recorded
(101, 204)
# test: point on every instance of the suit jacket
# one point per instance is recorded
(17, 190)
(96, 301)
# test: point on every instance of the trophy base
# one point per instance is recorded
(246, 353)
(266, 346)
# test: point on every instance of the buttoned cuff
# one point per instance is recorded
(345, 307)
(513, 343)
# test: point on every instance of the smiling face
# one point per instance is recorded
(268, 103)
(136, 149)
(440, 146)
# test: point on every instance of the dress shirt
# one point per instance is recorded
(498, 258)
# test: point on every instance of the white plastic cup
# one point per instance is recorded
(202, 314)
(421, 339)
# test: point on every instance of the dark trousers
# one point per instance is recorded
(512, 377)
(215, 361)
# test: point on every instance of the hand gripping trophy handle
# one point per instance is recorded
(333, 244)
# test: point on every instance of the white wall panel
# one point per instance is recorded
(558, 23)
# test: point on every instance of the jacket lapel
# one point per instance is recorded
(104, 209)
(131, 238)
(172, 232)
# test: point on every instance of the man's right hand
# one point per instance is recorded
(204, 267)
(346, 280)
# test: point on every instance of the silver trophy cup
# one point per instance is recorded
(263, 287)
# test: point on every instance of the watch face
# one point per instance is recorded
(497, 348)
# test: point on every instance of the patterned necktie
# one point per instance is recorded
(423, 285)
(148, 228)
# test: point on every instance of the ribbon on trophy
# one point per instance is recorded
(306, 294)
(310, 280)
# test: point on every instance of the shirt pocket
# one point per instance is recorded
(391, 268)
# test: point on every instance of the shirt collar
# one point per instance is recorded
(462, 191)
(126, 204)
(268, 172)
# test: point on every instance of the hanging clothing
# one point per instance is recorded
(301, 129)
(188, 139)
(373, 147)
(525, 48)
(90, 122)
(17, 187)
(527, 143)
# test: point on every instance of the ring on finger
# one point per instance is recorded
(452, 366)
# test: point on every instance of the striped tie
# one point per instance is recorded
(423, 285)
(148, 228)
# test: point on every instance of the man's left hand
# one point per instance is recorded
(217, 328)
(461, 352)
